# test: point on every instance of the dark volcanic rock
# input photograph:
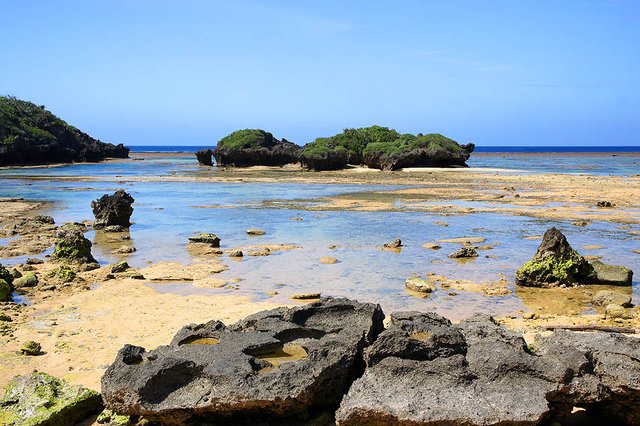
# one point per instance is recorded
(204, 157)
(273, 365)
(425, 371)
(555, 263)
(29, 134)
(112, 210)
(254, 147)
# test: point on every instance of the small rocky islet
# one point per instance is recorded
(376, 147)
(32, 135)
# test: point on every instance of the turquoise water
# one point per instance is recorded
(166, 213)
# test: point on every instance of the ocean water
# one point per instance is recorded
(167, 213)
(599, 160)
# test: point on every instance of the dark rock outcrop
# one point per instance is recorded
(205, 157)
(269, 368)
(6, 284)
(113, 210)
(41, 399)
(423, 370)
(31, 135)
(254, 147)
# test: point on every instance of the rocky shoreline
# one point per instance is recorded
(63, 282)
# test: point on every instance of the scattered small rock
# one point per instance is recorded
(615, 311)
(419, 284)
(124, 250)
(306, 296)
(27, 280)
(328, 260)
(44, 219)
(34, 261)
(115, 228)
(606, 204)
(608, 297)
(255, 232)
(119, 267)
(206, 238)
(236, 253)
(580, 223)
(397, 243)
(31, 348)
(464, 252)
(259, 252)
(432, 246)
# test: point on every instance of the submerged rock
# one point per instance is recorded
(206, 238)
(271, 366)
(606, 297)
(424, 370)
(555, 263)
(113, 210)
(420, 285)
(464, 252)
(204, 157)
(397, 243)
(255, 232)
(612, 274)
(41, 399)
(72, 246)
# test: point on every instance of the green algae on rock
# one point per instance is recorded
(5, 291)
(62, 273)
(31, 348)
(72, 246)
(41, 399)
(29, 279)
(108, 417)
(555, 263)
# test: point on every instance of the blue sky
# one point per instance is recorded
(188, 72)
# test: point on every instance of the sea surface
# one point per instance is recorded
(167, 213)
(600, 160)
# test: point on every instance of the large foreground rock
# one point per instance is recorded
(270, 367)
(113, 210)
(423, 370)
(41, 399)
